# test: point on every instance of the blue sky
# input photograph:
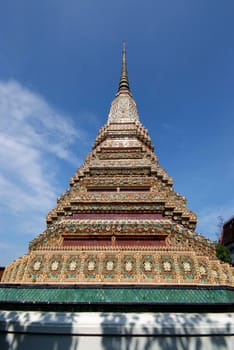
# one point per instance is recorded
(60, 62)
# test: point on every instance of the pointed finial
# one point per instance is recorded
(123, 83)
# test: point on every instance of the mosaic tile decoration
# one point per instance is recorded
(111, 265)
(172, 295)
(121, 222)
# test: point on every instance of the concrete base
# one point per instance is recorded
(20, 330)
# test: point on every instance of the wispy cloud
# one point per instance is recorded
(208, 219)
(33, 135)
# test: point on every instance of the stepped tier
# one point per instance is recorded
(121, 221)
(110, 264)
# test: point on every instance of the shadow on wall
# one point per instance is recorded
(165, 331)
(23, 333)
(115, 331)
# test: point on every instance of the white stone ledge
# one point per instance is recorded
(134, 324)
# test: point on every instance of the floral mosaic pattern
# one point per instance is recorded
(72, 267)
(187, 267)
(147, 266)
(180, 237)
(109, 266)
(119, 267)
(226, 273)
(167, 267)
(203, 270)
(36, 266)
(54, 266)
(91, 266)
(22, 269)
(128, 266)
(216, 273)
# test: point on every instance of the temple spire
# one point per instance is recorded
(123, 83)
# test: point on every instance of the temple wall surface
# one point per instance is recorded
(21, 330)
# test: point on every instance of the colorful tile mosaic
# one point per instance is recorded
(121, 223)
(72, 267)
(110, 295)
(112, 265)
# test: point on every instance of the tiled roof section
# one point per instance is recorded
(122, 295)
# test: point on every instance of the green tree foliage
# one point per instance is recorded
(223, 253)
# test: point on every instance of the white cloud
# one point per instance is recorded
(29, 119)
(32, 135)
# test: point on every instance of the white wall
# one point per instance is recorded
(134, 331)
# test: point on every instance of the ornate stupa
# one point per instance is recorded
(120, 232)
